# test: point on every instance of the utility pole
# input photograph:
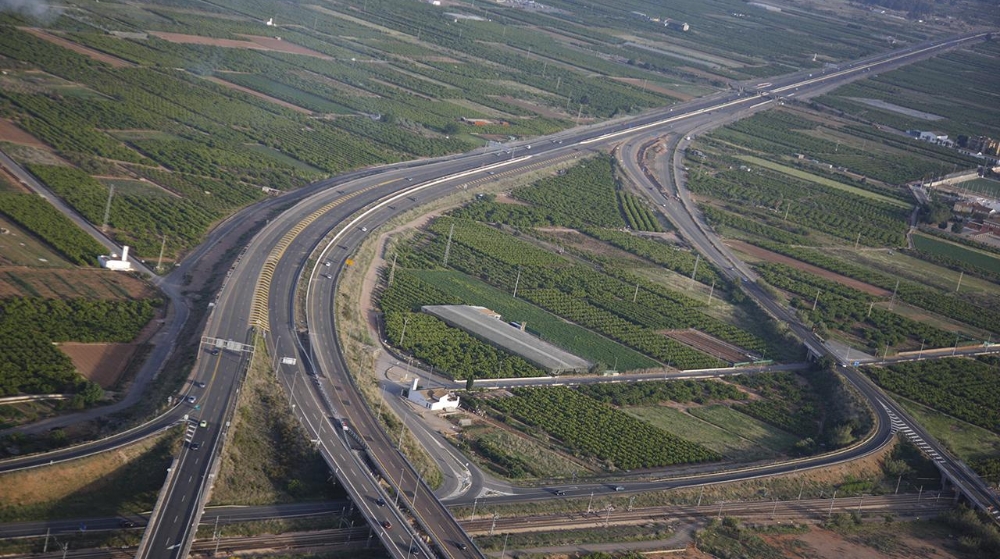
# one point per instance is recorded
(636, 294)
(159, 260)
(392, 269)
(857, 241)
(45, 548)
(834, 500)
(402, 336)
(107, 209)
(700, 493)
(517, 281)
(589, 510)
(892, 301)
(870, 305)
(898, 481)
(694, 272)
(447, 248)
(607, 519)
(960, 274)
(816, 300)
(504, 550)
(630, 501)
(711, 291)
(494, 525)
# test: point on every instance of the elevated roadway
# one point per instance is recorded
(385, 195)
(258, 304)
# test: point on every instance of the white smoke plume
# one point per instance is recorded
(34, 9)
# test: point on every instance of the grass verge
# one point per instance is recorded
(269, 459)
(967, 441)
(125, 481)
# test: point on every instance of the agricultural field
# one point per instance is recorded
(964, 257)
(174, 93)
(963, 388)
(568, 296)
(818, 188)
(692, 420)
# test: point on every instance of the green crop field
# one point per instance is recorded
(568, 336)
(957, 252)
(748, 428)
(968, 442)
(822, 180)
(981, 186)
(691, 426)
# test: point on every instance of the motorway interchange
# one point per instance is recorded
(256, 308)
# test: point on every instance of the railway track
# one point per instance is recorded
(360, 537)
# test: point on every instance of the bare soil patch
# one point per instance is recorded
(825, 544)
(769, 256)
(100, 363)
(254, 42)
(10, 132)
(709, 344)
(657, 88)
(22, 281)
(78, 48)
(258, 94)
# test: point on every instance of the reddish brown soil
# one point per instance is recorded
(258, 94)
(10, 132)
(709, 344)
(77, 48)
(657, 88)
(20, 281)
(254, 42)
(101, 363)
(769, 256)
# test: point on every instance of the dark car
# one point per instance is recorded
(561, 492)
(195, 446)
(387, 525)
(125, 523)
(461, 546)
(380, 502)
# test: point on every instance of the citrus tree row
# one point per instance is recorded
(597, 430)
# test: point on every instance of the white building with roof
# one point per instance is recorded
(114, 262)
(434, 399)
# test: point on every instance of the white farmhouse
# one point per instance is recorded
(434, 399)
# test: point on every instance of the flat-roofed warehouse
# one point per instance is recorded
(486, 326)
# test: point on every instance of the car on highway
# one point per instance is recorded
(387, 525)
(199, 384)
(380, 502)
(126, 523)
(327, 276)
(195, 446)
(364, 229)
(620, 488)
(461, 546)
(215, 351)
(192, 399)
(561, 492)
(203, 424)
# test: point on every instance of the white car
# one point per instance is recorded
(364, 229)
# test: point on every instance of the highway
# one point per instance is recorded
(279, 255)
(258, 303)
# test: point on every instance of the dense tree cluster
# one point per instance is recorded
(30, 363)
